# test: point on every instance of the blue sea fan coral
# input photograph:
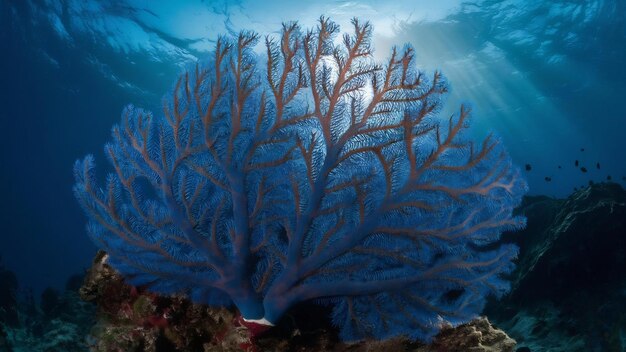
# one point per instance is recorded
(314, 173)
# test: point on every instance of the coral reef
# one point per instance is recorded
(132, 319)
(569, 290)
(314, 174)
(59, 324)
(477, 336)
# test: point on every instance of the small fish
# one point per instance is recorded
(583, 169)
(608, 177)
(590, 183)
(559, 166)
(576, 163)
(598, 166)
(548, 179)
(582, 149)
(528, 167)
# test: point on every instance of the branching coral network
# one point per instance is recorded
(312, 172)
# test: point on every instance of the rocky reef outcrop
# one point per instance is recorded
(133, 319)
(569, 289)
(59, 322)
(8, 298)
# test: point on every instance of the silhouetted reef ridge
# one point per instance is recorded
(569, 287)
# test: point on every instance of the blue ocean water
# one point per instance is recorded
(548, 77)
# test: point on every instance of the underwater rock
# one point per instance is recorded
(477, 336)
(98, 278)
(569, 286)
(540, 329)
(133, 319)
(4, 342)
(571, 244)
(59, 324)
(65, 331)
(8, 300)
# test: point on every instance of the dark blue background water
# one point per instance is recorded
(547, 76)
